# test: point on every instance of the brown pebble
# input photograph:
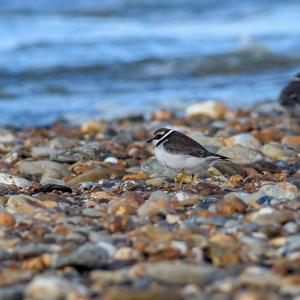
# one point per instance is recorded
(291, 139)
(7, 219)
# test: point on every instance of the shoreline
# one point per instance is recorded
(87, 213)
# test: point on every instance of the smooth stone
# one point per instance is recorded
(93, 127)
(224, 250)
(228, 168)
(260, 277)
(111, 160)
(123, 137)
(33, 249)
(108, 276)
(43, 151)
(268, 215)
(239, 154)
(127, 253)
(23, 204)
(274, 151)
(157, 182)
(53, 287)
(50, 184)
(243, 139)
(90, 151)
(292, 140)
(290, 243)
(178, 272)
(7, 219)
(281, 190)
(88, 256)
(291, 227)
(212, 109)
(156, 169)
(60, 142)
(41, 168)
(92, 212)
(158, 195)
(158, 202)
(93, 175)
(14, 180)
(123, 293)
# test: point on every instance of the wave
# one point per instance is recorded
(243, 60)
(253, 57)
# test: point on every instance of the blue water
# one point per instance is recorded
(79, 60)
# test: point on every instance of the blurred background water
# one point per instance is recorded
(85, 59)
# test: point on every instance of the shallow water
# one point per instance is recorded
(78, 60)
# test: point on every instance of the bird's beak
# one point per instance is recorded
(149, 141)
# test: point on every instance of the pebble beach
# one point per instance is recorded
(87, 212)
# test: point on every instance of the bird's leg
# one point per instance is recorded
(192, 180)
(179, 180)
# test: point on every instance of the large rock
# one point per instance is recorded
(239, 154)
(243, 139)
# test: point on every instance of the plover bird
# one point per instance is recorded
(290, 96)
(181, 153)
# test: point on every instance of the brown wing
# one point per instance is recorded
(179, 143)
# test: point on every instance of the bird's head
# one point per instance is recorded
(158, 135)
